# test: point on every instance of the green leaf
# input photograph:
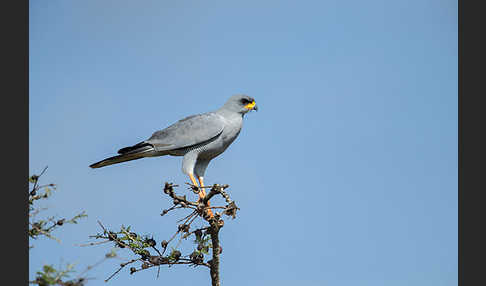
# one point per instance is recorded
(48, 269)
(33, 179)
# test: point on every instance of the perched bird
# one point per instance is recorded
(198, 138)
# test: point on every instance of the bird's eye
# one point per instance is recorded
(245, 101)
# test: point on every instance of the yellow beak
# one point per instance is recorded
(250, 106)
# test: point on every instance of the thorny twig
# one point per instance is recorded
(206, 237)
(44, 226)
(49, 275)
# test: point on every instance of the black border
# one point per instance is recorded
(14, 116)
(471, 133)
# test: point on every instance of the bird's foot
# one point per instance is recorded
(207, 213)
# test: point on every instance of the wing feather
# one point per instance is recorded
(192, 130)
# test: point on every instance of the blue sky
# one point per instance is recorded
(347, 174)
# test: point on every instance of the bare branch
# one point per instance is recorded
(206, 237)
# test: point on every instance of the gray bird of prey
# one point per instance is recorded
(198, 138)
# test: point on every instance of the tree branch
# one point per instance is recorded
(206, 237)
(214, 232)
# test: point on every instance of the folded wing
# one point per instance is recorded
(187, 132)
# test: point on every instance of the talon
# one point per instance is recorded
(202, 194)
(209, 212)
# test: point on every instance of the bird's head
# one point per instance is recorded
(240, 103)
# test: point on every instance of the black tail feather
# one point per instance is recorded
(130, 153)
(135, 147)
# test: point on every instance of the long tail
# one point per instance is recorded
(134, 152)
(115, 160)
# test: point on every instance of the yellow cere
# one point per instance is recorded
(250, 105)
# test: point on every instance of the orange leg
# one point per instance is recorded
(202, 193)
(201, 184)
